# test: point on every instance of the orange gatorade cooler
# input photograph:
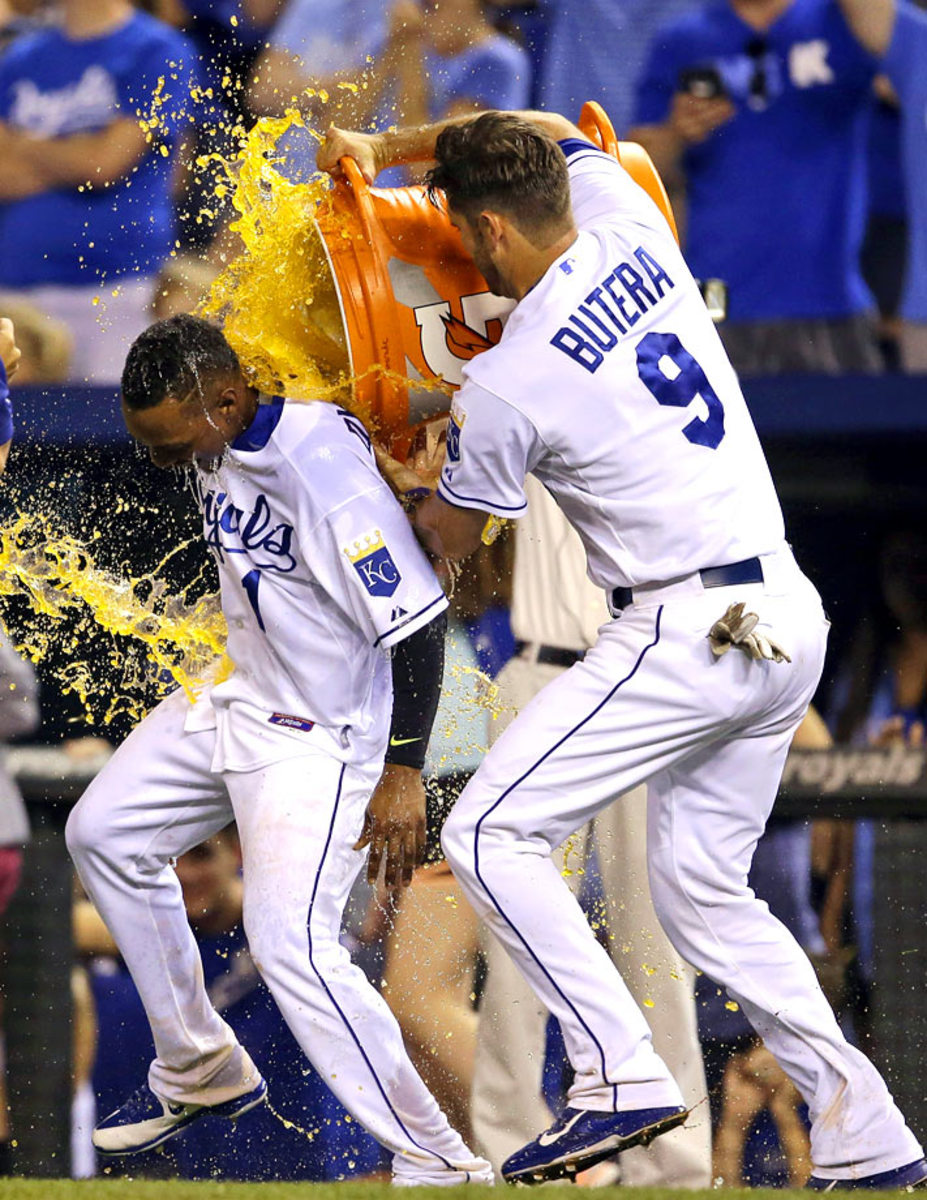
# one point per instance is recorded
(414, 307)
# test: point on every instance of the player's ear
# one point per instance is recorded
(227, 401)
(491, 226)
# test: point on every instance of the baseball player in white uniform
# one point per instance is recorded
(335, 628)
(610, 385)
(556, 614)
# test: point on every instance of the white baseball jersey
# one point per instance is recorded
(320, 574)
(611, 385)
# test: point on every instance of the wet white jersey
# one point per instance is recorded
(320, 574)
(611, 385)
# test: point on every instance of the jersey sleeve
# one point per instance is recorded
(491, 448)
(905, 61)
(601, 190)
(359, 544)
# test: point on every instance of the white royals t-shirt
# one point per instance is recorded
(610, 384)
(320, 575)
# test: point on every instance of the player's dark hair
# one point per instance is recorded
(173, 358)
(503, 163)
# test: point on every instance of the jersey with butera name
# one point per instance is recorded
(320, 575)
(610, 384)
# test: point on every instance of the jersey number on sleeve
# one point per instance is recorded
(250, 583)
(680, 390)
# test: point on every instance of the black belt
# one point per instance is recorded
(552, 656)
(750, 570)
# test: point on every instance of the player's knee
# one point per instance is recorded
(83, 831)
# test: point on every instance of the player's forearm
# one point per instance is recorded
(872, 22)
(418, 671)
(447, 531)
(417, 143)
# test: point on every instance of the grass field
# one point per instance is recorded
(115, 1189)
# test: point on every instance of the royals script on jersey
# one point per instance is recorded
(611, 385)
(320, 573)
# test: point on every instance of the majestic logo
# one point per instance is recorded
(448, 343)
(371, 559)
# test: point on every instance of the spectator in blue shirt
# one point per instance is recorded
(86, 217)
(596, 49)
(896, 31)
(762, 108)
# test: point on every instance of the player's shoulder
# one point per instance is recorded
(324, 442)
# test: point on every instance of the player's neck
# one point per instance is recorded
(84, 19)
(760, 14)
(533, 263)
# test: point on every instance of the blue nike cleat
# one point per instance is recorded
(146, 1119)
(914, 1175)
(580, 1138)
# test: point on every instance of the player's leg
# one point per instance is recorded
(298, 820)
(663, 984)
(507, 1104)
(572, 749)
(154, 800)
(705, 818)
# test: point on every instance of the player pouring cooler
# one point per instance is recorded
(611, 385)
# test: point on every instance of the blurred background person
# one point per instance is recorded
(596, 49)
(896, 31)
(182, 284)
(759, 109)
(19, 714)
(47, 344)
(86, 212)
(461, 64)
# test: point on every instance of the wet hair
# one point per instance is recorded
(503, 163)
(173, 358)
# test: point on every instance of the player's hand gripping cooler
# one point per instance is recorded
(414, 307)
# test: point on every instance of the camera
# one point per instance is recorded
(705, 83)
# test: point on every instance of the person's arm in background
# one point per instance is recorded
(872, 22)
(97, 159)
(10, 355)
(668, 120)
(283, 75)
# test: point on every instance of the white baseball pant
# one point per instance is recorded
(508, 1107)
(298, 819)
(649, 702)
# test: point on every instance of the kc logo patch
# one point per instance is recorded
(371, 559)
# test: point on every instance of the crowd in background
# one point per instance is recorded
(786, 147)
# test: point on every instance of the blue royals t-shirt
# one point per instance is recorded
(906, 66)
(495, 73)
(52, 86)
(777, 196)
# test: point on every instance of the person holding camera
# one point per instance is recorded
(759, 110)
